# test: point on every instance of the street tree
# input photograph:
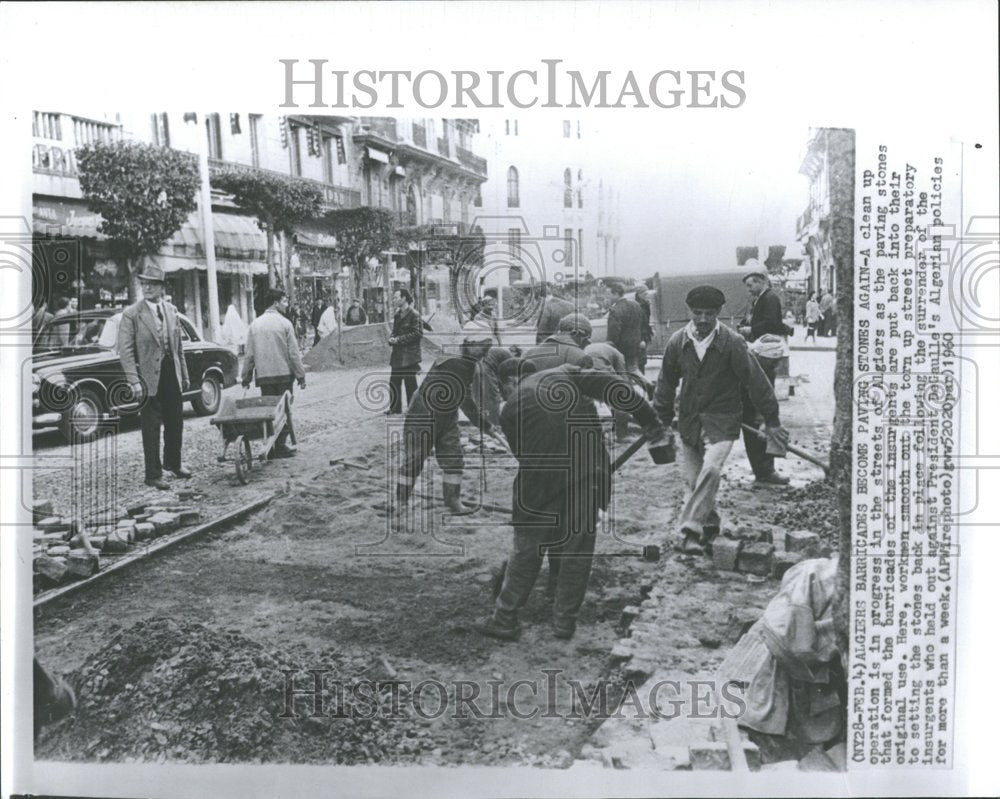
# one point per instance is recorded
(143, 193)
(362, 234)
(279, 203)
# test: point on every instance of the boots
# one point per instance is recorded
(452, 500)
(506, 629)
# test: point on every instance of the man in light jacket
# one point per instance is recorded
(149, 346)
(273, 357)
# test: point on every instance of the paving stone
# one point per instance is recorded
(802, 541)
(126, 523)
(53, 524)
(783, 561)
(189, 516)
(164, 522)
(115, 544)
(54, 539)
(59, 549)
(756, 559)
(144, 531)
(621, 651)
(714, 756)
(52, 570)
(41, 509)
(97, 541)
(187, 493)
(136, 510)
(80, 563)
(725, 553)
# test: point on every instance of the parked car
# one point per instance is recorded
(78, 380)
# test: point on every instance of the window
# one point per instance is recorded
(568, 244)
(255, 139)
(579, 241)
(161, 130)
(515, 127)
(328, 159)
(578, 128)
(513, 188)
(567, 188)
(477, 201)
(567, 129)
(446, 206)
(506, 126)
(514, 242)
(295, 150)
(213, 131)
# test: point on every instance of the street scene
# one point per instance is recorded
(393, 441)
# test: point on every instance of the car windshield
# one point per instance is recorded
(76, 332)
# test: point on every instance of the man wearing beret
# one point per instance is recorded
(713, 367)
(765, 329)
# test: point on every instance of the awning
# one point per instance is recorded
(240, 246)
(377, 155)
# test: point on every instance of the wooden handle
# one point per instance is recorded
(793, 449)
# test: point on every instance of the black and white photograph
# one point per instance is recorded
(545, 425)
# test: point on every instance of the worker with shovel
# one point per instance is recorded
(563, 479)
(431, 424)
(713, 366)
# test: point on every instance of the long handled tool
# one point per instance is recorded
(792, 448)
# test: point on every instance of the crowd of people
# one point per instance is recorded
(715, 384)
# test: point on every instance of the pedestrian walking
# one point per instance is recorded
(563, 480)
(404, 361)
(647, 328)
(273, 359)
(625, 321)
(234, 331)
(713, 366)
(828, 310)
(431, 425)
(765, 328)
(152, 356)
(814, 317)
(317, 313)
(553, 310)
(355, 314)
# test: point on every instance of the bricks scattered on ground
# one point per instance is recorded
(726, 552)
(802, 541)
(756, 559)
(783, 561)
(59, 549)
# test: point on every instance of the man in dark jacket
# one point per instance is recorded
(563, 479)
(317, 313)
(553, 310)
(355, 314)
(566, 346)
(713, 367)
(765, 328)
(625, 327)
(404, 362)
(432, 424)
(647, 328)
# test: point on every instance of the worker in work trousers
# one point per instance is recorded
(563, 480)
(432, 425)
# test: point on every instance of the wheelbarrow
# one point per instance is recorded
(252, 426)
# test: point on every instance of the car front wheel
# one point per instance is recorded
(81, 420)
(209, 396)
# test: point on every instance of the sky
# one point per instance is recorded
(695, 191)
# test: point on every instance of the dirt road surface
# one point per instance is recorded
(316, 582)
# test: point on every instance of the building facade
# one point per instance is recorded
(822, 228)
(548, 212)
(423, 170)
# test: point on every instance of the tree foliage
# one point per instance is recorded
(279, 203)
(143, 193)
(362, 233)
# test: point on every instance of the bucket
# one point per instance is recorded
(663, 453)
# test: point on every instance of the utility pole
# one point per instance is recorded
(208, 232)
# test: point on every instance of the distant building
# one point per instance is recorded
(825, 228)
(548, 211)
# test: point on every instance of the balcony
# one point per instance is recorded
(333, 196)
(471, 160)
(52, 153)
(383, 127)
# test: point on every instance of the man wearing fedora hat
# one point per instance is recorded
(149, 345)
